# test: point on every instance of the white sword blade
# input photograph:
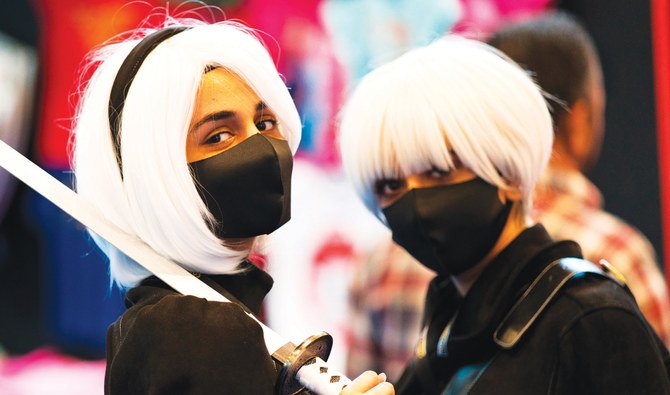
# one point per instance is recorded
(317, 380)
(67, 200)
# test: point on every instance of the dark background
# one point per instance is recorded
(627, 172)
(20, 290)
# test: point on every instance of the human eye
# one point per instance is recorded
(437, 173)
(388, 187)
(266, 125)
(218, 137)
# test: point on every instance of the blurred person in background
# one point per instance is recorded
(445, 145)
(560, 54)
(389, 286)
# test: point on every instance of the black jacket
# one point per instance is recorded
(592, 339)
(167, 343)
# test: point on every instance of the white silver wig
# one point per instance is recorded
(156, 200)
(400, 116)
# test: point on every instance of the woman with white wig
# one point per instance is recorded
(445, 145)
(184, 138)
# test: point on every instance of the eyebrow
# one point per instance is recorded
(217, 116)
(223, 115)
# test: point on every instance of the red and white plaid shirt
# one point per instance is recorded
(570, 207)
(389, 288)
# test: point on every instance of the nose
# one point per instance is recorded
(416, 181)
(250, 129)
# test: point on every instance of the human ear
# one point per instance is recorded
(513, 193)
(579, 134)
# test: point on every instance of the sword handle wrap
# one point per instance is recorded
(305, 367)
(320, 379)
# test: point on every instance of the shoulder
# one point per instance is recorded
(603, 330)
(602, 303)
(206, 344)
(589, 294)
(174, 319)
(174, 314)
(595, 312)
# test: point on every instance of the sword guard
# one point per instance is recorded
(316, 346)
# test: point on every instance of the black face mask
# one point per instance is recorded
(448, 228)
(248, 187)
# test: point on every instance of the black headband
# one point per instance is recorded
(125, 77)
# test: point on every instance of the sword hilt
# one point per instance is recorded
(304, 366)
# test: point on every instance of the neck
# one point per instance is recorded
(516, 223)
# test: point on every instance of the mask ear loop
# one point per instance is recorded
(126, 75)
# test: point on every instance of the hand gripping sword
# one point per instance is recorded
(303, 366)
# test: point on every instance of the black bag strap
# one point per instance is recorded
(527, 308)
(542, 291)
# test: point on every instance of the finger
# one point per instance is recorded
(363, 382)
(383, 388)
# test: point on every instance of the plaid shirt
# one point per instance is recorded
(389, 288)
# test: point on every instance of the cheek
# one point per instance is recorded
(383, 201)
(192, 149)
(278, 133)
(462, 175)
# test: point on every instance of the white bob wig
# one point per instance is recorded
(156, 199)
(399, 118)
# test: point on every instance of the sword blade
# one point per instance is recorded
(320, 381)
(68, 200)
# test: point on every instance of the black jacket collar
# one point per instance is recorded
(493, 294)
(247, 288)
